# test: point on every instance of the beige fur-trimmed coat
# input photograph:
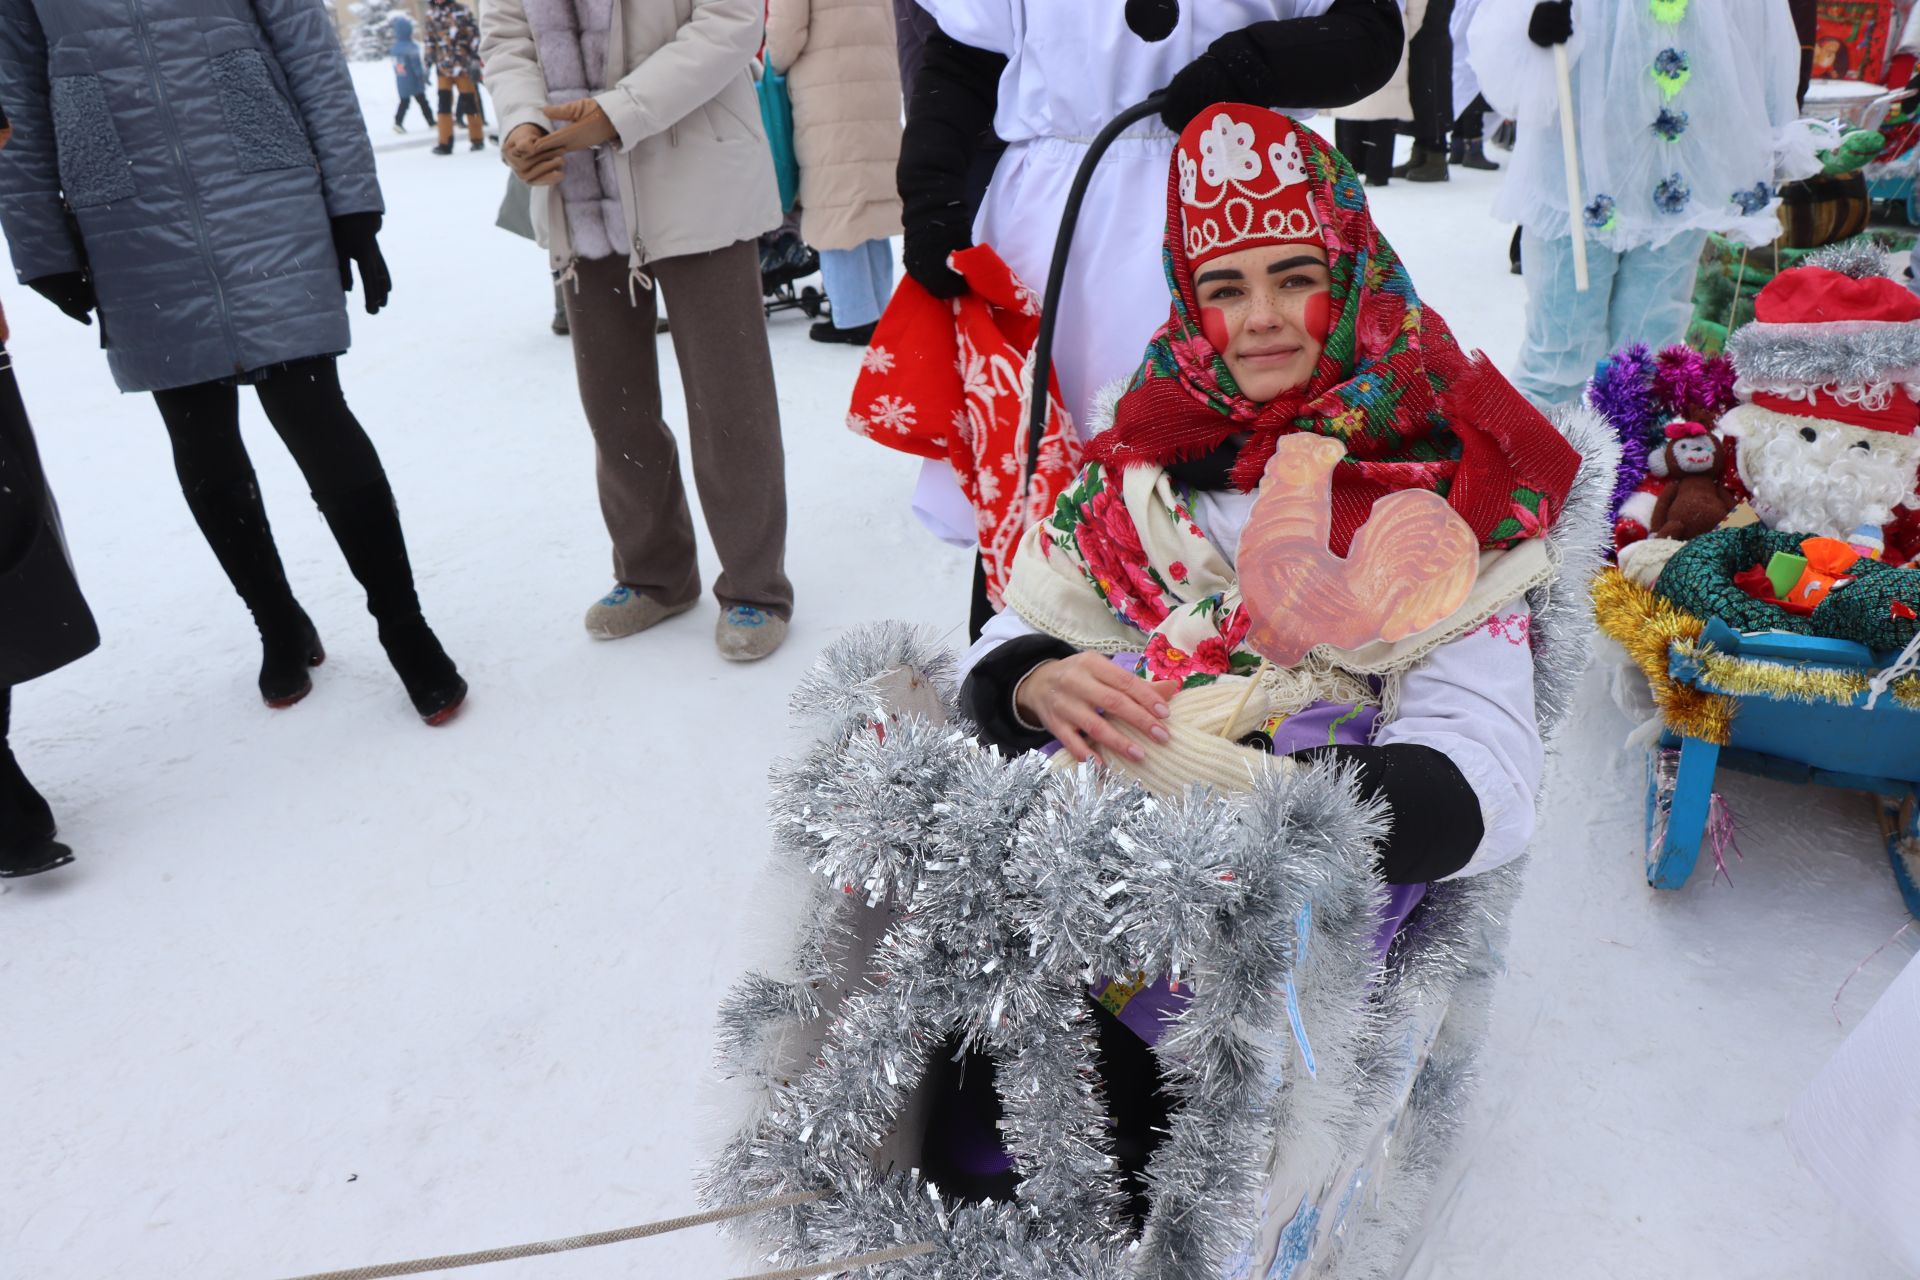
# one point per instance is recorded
(844, 75)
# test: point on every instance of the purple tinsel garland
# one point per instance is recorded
(1685, 381)
(1638, 393)
(1622, 393)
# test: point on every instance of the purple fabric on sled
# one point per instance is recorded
(1150, 1010)
(1147, 1010)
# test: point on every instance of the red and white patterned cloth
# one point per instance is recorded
(949, 381)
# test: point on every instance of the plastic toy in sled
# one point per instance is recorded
(1781, 733)
(936, 898)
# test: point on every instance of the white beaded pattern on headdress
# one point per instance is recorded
(1229, 163)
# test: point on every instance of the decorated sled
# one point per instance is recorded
(1803, 709)
(1780, 636)
(939, 894)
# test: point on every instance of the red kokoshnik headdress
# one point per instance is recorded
(1414, 411)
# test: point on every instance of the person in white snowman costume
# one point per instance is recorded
(1042, 78)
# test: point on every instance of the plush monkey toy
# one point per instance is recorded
(1695, 500)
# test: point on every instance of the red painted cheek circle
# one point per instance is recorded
(1319, 315)
(1213, 324)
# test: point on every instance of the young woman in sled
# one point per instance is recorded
(1297, 354)
(1041, 78)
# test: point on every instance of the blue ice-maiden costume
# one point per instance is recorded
(1684, 112)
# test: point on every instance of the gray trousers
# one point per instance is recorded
(733, 425)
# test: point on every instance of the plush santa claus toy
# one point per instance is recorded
(1830, 376)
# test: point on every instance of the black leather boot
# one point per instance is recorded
(289, 649)
(366, 524)
(234, 521)
(27, 846)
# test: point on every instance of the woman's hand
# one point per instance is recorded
(1080, 700)
(531, 167)
(584, 124)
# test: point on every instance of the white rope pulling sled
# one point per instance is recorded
(448, 1262)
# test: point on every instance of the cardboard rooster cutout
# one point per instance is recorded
(1411, 565)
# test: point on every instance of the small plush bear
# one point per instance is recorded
(1696, 499)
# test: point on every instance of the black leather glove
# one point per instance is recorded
(930, 240)
(1551, 24)
(71, 291)
(356, 239)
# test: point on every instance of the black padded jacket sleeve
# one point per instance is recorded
(949, 123)
(1333, 60)
(986, 696)
(1435, 816)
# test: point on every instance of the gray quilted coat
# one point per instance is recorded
(190, 152)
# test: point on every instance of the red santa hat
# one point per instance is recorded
(1243, 183)
(1834, 347)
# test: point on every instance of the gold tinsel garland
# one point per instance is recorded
(1787, 682)
(1652, 630)
(1647, 627)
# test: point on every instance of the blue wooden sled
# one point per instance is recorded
(1789, 740)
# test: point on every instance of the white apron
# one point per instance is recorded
(1073, 65)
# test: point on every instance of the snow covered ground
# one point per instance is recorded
(326, 987)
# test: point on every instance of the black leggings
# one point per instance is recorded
(1430, 76)
(304, 403)
(426, 112)
(1368, 147)
(1472, 124)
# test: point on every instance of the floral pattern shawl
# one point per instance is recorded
(1414, 410)
(1122, 567)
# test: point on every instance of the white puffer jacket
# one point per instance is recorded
(694, 170)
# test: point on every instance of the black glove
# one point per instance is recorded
(71, 291)
(1339, 57)
(949, 132)
(930, 240)
(1436, 821)
(1551, 24)
(1198, 85)
(356, 240)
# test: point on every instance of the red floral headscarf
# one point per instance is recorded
(1414, 411)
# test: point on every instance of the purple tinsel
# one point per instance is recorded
(1622, 393)
(1638, 393)
(1690, 384)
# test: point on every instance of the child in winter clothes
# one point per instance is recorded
(409, 73)
(453, 51)
(1680, 108)
(1126, 634)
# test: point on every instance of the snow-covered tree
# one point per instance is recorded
(372, 37)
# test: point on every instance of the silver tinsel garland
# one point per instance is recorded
(1868, 354)
(1859, 257)
(955, 892)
